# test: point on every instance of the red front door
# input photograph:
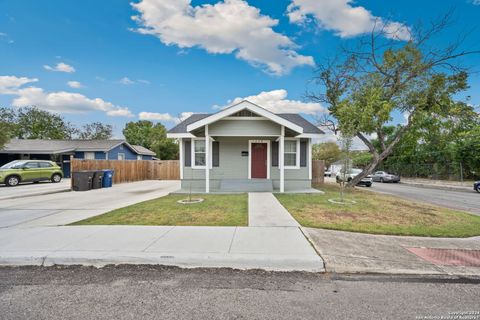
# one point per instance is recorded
(259, 160)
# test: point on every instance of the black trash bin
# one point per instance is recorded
(82, 180)
(97, 179)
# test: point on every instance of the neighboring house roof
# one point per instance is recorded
(38, 146)
(294, 121)
(143, 151)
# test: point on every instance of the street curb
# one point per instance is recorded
(101, 259)
(35, 194)
(433, 186)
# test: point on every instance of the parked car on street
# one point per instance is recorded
(476, 186)
(15, 172)
(383, 176)
(341, 175)
(327, 173)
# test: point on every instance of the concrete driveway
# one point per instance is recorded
(67, 207)
(31, 189)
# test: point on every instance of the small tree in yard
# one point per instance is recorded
(346, 145)
(365, 88)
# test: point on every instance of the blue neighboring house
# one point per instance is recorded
(61, 150)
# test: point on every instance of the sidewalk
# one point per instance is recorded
(269, 248)
(350, 252)
(439, 184)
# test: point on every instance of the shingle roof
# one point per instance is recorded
(182, 126)
(297, 119)
(60, 146)
(37, 146)
(143, 151)
(307, 126)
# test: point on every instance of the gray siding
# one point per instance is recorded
(242, 127)
(232, 165)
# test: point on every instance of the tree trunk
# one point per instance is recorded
(368, 170)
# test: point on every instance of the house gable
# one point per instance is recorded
(244, 106)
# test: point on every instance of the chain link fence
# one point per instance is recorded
(451, 171)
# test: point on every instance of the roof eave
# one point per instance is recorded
(241, 106)
(180, 135)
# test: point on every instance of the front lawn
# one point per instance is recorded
(378, 214)
(215, 210)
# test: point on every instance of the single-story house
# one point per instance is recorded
(61, 150)
(249, 149)
(336, 166)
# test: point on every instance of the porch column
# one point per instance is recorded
(310, 160)
(180, 156)
(281, 161)
(207, 160)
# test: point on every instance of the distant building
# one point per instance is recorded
(61, 150)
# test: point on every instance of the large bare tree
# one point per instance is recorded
(365, 86)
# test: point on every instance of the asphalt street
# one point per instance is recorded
(141, 292)
(466, 201)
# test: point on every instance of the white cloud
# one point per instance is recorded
(154, 116)
(476, 2)
(126, 81)
(60, 67)
(74, 84)
(61, 101)
(343, 18)
(4, 37)
(226, 27)
(276, 101)
(10, 84)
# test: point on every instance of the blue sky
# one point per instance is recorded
(90, 61)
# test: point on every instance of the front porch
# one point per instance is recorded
(244, 185)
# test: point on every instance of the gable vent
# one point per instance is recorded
(244, 113)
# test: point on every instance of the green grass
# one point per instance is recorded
(215, 210)
(378, 214)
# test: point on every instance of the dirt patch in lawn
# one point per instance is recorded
(378, 214)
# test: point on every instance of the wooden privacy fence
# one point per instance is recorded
(318, 171)
(132, 170)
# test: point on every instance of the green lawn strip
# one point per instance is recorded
(378, 214)
(215, 210)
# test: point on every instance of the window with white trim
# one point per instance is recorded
(89, 155)
(290, 154)
(199, 154)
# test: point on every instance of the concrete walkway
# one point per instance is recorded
(351, 252)
(264, 210)
(269, 248)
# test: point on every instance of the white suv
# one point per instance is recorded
(352, 173)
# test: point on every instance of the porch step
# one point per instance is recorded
(245, 185)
